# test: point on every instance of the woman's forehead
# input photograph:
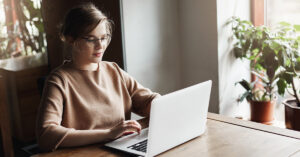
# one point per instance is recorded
(99, 30)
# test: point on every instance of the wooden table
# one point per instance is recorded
(224, 137)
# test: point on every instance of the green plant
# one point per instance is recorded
(290, 67)
(252, 93)
(24, 35)
(273, 54)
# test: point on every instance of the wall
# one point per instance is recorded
(172, 44)
(151, 43)
(198, 28)
(231, 70)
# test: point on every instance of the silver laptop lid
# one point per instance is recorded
(178, 117)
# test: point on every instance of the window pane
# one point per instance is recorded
(278, 11)
(2, 15)
(282, 10)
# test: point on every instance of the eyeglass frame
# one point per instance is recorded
(86, 39)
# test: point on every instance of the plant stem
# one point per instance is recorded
(295, 93)
(290, 93)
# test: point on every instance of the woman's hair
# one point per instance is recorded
(81, 20)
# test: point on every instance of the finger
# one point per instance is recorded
(128, 133)
(134, 122)
(133, 127)
(139, 125)
(131, 122)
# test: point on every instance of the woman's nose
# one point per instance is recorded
(98, 44)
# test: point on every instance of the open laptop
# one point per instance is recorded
(174, 119)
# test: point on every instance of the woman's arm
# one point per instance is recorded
(51, 134)
(85, 137)
(141, 97)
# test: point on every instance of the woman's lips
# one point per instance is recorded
(97, 54)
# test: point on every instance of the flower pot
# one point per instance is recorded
(262, 112)
(292, 114)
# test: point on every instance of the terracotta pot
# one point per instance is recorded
(292, 114)
(262, 112)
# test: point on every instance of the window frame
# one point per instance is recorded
(258, 12)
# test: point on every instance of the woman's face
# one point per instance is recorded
(91, 47)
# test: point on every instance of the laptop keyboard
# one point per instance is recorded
(141, 146)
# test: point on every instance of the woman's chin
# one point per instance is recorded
(97, 60)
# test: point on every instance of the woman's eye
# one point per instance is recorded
(91, 39)
(103, 38)
(94, 39)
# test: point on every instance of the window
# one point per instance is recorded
(270, 13)
(21, 28)
(282, 10)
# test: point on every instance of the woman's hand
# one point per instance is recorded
(124, 128)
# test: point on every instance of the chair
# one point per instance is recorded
(40, 83)
(5, 121)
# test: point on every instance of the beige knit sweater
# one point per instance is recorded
(76, 99)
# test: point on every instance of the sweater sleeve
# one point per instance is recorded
(141, 97)
(49, 131)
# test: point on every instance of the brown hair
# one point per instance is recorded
(82, 19)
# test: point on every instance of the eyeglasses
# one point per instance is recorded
(93, 40)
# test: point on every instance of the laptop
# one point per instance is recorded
(174, 119)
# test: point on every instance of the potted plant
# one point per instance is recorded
(268, 51)
(292, 106)
(289, 74)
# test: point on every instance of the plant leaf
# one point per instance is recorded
(245, 84)
(297, 28)
(246, 95)
(281, 84)
(264, 79)
(238, 52)
(282, 23)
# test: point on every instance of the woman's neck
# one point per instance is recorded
(85, 66)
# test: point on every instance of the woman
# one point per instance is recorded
(87, 100)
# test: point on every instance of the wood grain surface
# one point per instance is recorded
(224, 137)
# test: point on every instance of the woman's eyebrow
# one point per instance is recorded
(90, 35)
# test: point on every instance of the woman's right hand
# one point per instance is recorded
(125, 127)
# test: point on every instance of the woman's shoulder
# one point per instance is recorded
(60, 70)
(60, 73)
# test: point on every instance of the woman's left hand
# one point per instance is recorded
(124, 128)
